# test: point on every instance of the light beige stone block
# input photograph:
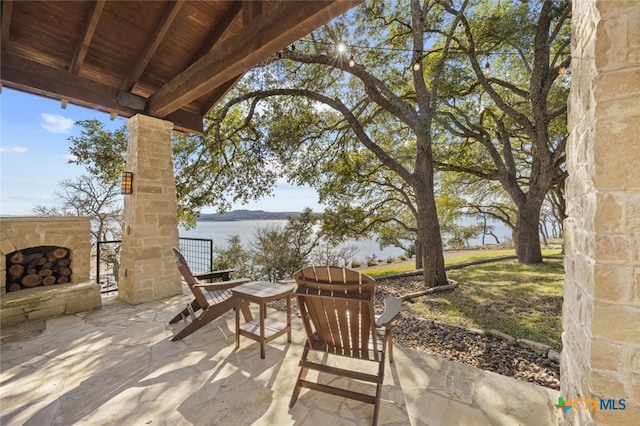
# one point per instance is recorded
(636, 286)
(616, 322)
(612, 282)
(605, 384)
(628, 416)
(622, 164)
(611, 214)
(634, 393)
(607, 356)
(84, 302)
(635, 362)
(614, 248)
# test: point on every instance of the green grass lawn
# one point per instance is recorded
(524, 301)
(480, 254)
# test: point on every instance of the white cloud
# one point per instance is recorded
(56, 123)
(18, 149)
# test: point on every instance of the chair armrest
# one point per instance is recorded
(222, 285)
(392, 307)
(222, 273)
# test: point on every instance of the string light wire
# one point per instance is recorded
(343, 48)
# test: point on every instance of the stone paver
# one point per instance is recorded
(116, 365)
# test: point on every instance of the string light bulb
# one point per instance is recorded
(487, 68)
(416, 66)
(562, 70)
(352, 62)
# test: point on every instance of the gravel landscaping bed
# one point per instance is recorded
(463, 345)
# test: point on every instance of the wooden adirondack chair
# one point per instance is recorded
(214, 299)
(336, 307)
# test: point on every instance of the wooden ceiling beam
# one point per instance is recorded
(218, 94)
(34, 77)
(250, 11)
(7, 6)
(220, 30)
(267, 34)
(159, 31)
(87, 35)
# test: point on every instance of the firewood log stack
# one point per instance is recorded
(48, 266)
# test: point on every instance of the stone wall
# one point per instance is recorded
(74, 233)
(601, 312)
(147, 267)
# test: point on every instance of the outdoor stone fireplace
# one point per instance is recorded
(45, 267)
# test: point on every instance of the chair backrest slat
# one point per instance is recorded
(337, 309)
(184, 269)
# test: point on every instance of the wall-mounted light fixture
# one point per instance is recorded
(126, 184)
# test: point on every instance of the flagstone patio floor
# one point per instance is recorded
(117, 366)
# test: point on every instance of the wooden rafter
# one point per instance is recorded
(250, 10)
(267, 34)
(6, 22)
(169, 59)
(220, 30)
(164, 23)
(218, 94)
(87, 36)
(23, 74)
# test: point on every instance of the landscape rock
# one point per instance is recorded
(554, 355)
(538, 347)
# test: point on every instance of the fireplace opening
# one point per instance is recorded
(38, 266)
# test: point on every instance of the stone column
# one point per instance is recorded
(601, 311)
(147, 268)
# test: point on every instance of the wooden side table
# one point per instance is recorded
(263, 329)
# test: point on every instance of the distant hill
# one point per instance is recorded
(238, 215)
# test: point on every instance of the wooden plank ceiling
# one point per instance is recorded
(167, 59)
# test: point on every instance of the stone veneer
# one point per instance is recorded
(601, 312)
(147, 267)
(74, 233)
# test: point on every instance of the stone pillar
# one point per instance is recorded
(147, 268)
(601, 311)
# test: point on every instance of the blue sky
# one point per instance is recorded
(34, 153)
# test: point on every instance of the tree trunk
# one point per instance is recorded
(429, 236)
(418, 251)
(528, 238)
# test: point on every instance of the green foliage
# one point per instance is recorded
(233, 256)
(278, 252)
(507, 127)
(101, 151)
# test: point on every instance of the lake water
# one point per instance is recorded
(220, 232)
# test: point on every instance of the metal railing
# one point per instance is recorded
(197, 251)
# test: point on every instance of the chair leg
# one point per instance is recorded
(376, 406)
(206, 316)
(185, 312)
(301, 376)
(390, 345)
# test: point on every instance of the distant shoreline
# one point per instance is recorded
(246, 215)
